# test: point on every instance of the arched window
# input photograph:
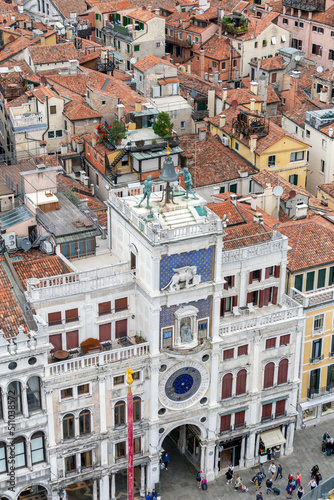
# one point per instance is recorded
(119, 411)
(14, 396)
(268, 379)
(84, 422)
(227, 386)
(136, 409)
(34, 393)
(20, 452)
(283, 366)
(68, 426)
(241, 382)
(37, 448)
(3, 458)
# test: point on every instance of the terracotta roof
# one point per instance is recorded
(311, 242)
(11, 316)
(47, 54)
(75, 83)
(214, 162)
(14, 48)
(26, 72)
(13, 171)
(149, 62)
(105, 7)
(80, 111)
(272, 97)
(141, 15)
(275, 63)
(242, 96)
(67, 8)
(191, 82)
(298, 114)
(230, 114)
(228, 210)
(42, 93)
(218, 49)
(327, 188)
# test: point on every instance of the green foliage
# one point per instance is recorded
(162, 125)
(112, 133)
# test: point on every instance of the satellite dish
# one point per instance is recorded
(320, 69)
(278, 191)
(133, 60)
(234, 103)
(292, 194)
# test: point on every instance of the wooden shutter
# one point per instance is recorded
(277, 271)
(250, 278)
(104, 308)
(241, 382)
(275, 293)
(227, 386)
(225, 422)
(222, 306)
(249, 298)
(239, 418)
(280, 407)
(226, 285)
(71, 315)
(283, 366)
(56, 341)
(284, 339)
(121, 328)
(271, 343)
(266, 410)
(121, 304)
(228, 354)
(72, 339)
(261, 298)
(235, 301)
(266, 293)
(105, 332)
(242, 350)
(232, 281)
(268, 379)
(267, 273)
(260, 274)
(54, 318)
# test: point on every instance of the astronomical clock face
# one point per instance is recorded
(183, 385)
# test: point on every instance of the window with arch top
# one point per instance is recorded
(227, 386)
(34, 393)
(37, 448)
(68, 426)
(119, 413)
(136, 409)
(241, 382)
(268, 379)
(84, 422)
(283, 366)
(14, 395)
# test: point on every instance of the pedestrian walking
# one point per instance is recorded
(312, 484)
(289, 490)
(300, 491)
(199, 478)
(229, 476)
(259, 481)
(279, 472)
(154, 494)
(318, 477)
(298, 478)
(272, 470)
(314, 470)
(269, 485)
(259, 496)
(231, 469)
(165, 460)
(262, 470)
(148, 496)
(238, 482)
(269, 453)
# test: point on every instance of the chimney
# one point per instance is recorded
(138, 107)
(301, 211)
(257, 217)
(211, 102)
(42, 148)
(149, 8)
(93, 142)
(252, 104)
(202, 133)
(201, 63)
(233, 198)
(222, 121)
(263, 90)
(254, 87)
(252, 142)
(189, 67)
(253, 202)
(157, 12)
(42, 38)
(224, 97)
(330, 132)
(167, 57)
(92, 189)
(120, 109)
(220, 30)
(73, 66)
(63, 148)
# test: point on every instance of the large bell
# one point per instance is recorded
(168, 173)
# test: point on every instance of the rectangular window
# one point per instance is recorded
(297, 156)
(271, 343)
(180, 35)
(86, 459)
(71, 315)
(314, 381)
(223, 65)
(72, 339)
(331, 276)
(318, 323)
(105, 332)
(121, 328)
(70, 463)
(330, 378)
(236, 146)
(239, 419)
(66, 393)
(54, 318)
(228, 354)
(301, 25)
(331, 54)
(167, 337)
(316, 349)
(322, 165)
(273, 77)
(280, 408)
(316, 49)
(137, 445)
(83, 389)
(183, 124)
(119, 380)
(225, 423)
(310, 281)
(293, 179)
(296, 24)
(271, 160)
(299, 278)
(121, 304)
(229, 282)
(266, 411)
(285, 21)
(243, 350)
(136, 376)
(233, 188)
(321, 283)
(53, 110)
(284, 339)
(120, 449)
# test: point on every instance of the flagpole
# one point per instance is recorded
(129, 381)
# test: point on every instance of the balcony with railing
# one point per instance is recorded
(126, 33)
(198, 115)
(314, 297)
(315, 392)
(308, 5)
(27, 121)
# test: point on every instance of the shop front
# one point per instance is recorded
(270, 443)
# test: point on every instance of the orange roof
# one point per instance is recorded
(327, 188)
(105, 7)
(270, 63)
(218, 49)
(141, 15)
(47, 54)
(149, 62)
(80, 111)
(14, 48)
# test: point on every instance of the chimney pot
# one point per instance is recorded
(222, 121)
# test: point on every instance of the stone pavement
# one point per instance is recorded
(179, 482)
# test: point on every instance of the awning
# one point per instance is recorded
(272, 438)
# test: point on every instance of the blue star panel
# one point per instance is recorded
(183, 384)
(167, 317)
(203, 259)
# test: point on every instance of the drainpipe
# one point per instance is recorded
(47, 115)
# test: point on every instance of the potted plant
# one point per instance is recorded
(140, 144)
(113, 133)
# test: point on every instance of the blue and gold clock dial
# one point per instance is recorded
(183, 384)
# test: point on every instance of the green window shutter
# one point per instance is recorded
(321, 278)
(310, 281)
(299, 282)
(96, 17)
(331, 276)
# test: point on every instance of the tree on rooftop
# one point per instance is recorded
(162, 125)
(112, 133)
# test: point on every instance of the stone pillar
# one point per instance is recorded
(182, 439)
(215, 317)
(289, 438)
(154, 322)
(153, 473)
(5, 405)
(249, 458)
(104, 452)
(102, 395)
(76, 426)
(95, 488)
(202, 461)
(25, 410)
(109, 229)
(50, 414)
(242, 452)
(209, 461)
(142, 481)
(28, 454)
(113, 486)
(242, 290)
(154, 389)
(104, 488)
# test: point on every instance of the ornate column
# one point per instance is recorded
(242, 451)
(76, 426)
(95, 488)
(25, 410)
(249, 461)
(49, 409)
(5, 405)
(28, 454)
(142, 481)
(104, 487)
(113, 487)
(102, 395)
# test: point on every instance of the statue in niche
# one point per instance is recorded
(185, 331)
